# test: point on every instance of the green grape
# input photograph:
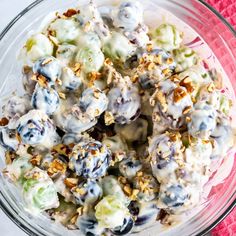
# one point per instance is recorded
(167, 37)
(185, 58)
(38, 46)
(65, 30)
(30, 43)
(111, 186)
(39, 191)
(118, 47)
(91, 58)
(16, 170)
(111, 212)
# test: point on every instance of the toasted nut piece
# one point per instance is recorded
(80, 211)
(127, 189)
(174, 136)
(109, 118)
(187, 110)
(36, 160)
(74, 219)
(56, 166)
(46, 61)
(70, 12)
(166, 71)
(4, 121)
(169, 60)
(211, 87)
(187, 83)
(188, 119)
(149, 47)
(134, 79)
(158, 59)
(122, 180)
(71, 182)
(42, 81)
(80, 191)
(150, 66)
(9, 157)
(62, 95)
(18, 137)
(179, 94)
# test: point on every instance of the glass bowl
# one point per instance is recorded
(213, 30)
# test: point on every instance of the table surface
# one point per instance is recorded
(8, 228)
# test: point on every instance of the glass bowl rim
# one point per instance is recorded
(4, 32)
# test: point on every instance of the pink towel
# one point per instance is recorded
(227, 8)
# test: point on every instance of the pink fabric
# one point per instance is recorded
(227, 8)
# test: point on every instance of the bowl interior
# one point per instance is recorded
(204, 32)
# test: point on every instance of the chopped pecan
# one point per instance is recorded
(188, 84)
(179, 94)
(4, 121)
(71, 182)
(70, 12)
(187, 110)
(36, 160)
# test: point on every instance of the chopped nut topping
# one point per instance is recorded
(187, 110)
(149, 47)
(96, 94)
(70, 12)
(166, 71)
(80, 191)
(18, 137)
(77, 69)
(61, 149)
(36, 160)
(109, 118)
(158, 59)
(62, 95)
(205, 141)
(156, 117)
(4, 121)
(175, 78)
(134, 79)
(59, 82)
(169, 60)
(161, 97)
(150, 66)
(108, 62)
(134, 194)
(187, 83)
(80, 211)
(122, 180)
(179, 94)
(211, 87)
(174, 136)
(27, 69)
(139, 174)
(56, 166)
(71, 182)
(74, 219)
(127, 190)
(188, 119)
(41, 80)
(93, 76)
(9, 157)
(46, 61)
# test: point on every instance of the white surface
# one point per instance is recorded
(8, 10)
